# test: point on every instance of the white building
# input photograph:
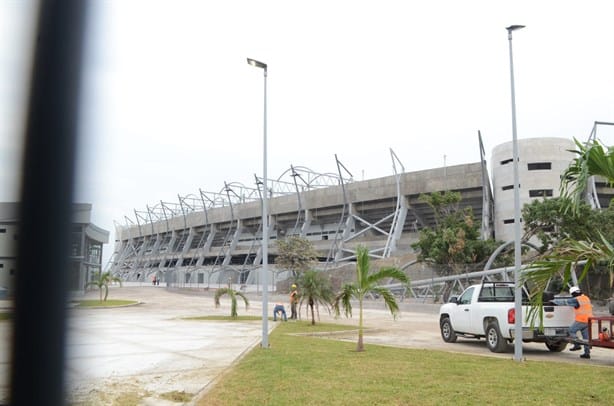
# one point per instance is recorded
(541, 161)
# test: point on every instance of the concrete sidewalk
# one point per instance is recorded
(149, 350)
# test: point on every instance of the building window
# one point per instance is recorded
(94, 254)
(539, 166)
(507, 187)
(507, 161)
(540, 193)
(2, 230)
(508, 221)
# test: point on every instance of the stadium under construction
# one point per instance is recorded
(214, 238)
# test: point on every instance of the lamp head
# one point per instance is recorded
(256, 63)
(514, 27)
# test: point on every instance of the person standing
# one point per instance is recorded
(583, 309)
(293, 302)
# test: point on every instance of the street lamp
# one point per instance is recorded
(517, 248)
(265, 223)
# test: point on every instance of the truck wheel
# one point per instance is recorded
(447, 332)
(556, 345)
(494, 341)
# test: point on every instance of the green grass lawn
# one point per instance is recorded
(107, 303)
(311, 370)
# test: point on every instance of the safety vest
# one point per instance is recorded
(293, 296)
(585, 310)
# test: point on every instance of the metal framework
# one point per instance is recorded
(159, 245)
(592, 197)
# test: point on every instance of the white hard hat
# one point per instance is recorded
(574, 289)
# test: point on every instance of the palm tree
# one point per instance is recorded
(233, 300)
(315, 289)
(592, 160)
(367, 283)
(102, 281)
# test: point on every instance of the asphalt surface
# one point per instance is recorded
(150, 349)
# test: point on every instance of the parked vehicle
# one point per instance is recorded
(487, 310)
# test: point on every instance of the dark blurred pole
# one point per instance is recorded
(37, 368)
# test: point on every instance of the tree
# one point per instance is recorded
(550, 222)
(454, 243)
(295, 254)
(102, 281)
(315, 289)
(233, 300)
(592, 159)
(367, 283)
(455, 240)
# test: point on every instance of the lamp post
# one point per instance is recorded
(517, 248)
(265, 223)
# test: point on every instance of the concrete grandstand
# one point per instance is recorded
(215, 237)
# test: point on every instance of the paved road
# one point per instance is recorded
(150, 349)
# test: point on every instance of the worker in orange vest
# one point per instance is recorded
(293, 302)
(583, 309)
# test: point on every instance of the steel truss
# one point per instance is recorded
(591, 194)
(347, 229)
(155, 252)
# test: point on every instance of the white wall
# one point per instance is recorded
(530, 151)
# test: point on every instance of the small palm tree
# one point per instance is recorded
(367, 283)
(102, 281)
(233, 300)
(315, 289)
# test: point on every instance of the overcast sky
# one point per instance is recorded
(170, 105)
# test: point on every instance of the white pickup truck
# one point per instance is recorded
(487, 310)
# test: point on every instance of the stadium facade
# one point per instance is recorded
(215, 237)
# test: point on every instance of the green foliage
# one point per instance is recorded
(295, 254)
(561, 261)
(455, 241)
(367, 283)
(550, 222)
(102, 281)
(233, 294)
(592, 159)
(315, 289)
